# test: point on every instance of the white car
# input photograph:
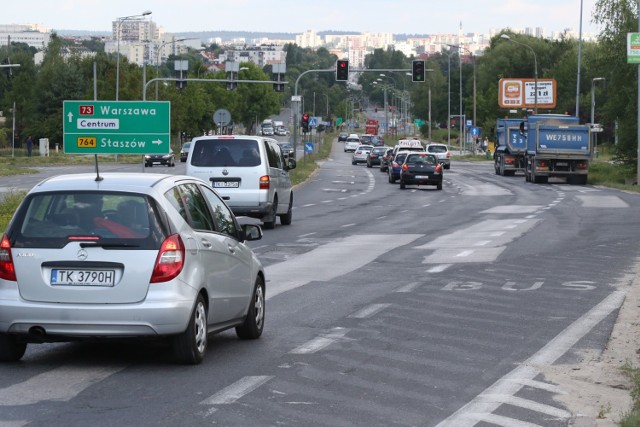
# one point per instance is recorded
(351, 144)
(361, 154)
(129, 255)
(251, 173)
(441, 151)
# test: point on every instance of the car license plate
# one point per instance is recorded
(83, 277)
(422, 176)
(223, 184)
(562, 164)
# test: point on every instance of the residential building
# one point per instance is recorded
(31, 34)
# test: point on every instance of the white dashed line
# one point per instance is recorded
(236, 390)
(369, 311)
(320, 342)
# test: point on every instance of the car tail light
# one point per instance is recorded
(395, 165)
(170, 260)
(373, 156)
(7, 269)
(264, 182)
(438, 168)
(448, 154)
(405, 167)
(581, 165)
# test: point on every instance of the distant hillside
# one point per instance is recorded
(226, 35)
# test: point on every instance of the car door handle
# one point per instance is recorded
(231, 249)
(206, 244)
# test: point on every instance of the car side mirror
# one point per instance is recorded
(251, 232)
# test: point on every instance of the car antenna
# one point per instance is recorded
(98, 177)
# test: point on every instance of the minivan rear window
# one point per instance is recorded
(225, 152)
(51, 220)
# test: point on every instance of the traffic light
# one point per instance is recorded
(417, 71)
(305, 123)
(180, 83)
(342, 70)
(279, 83)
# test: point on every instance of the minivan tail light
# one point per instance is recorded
(264, 182)
(170, 260)
(7, 269)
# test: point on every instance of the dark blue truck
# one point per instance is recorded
(557, 146)
(511, 146)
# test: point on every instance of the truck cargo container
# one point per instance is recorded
(511, 146)
(557, 146)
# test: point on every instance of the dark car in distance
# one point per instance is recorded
(342, 136)
(420, 169)
(386, 159)
(375, 156)
(168, 159)
(184, 151)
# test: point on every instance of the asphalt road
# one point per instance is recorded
(385, 307)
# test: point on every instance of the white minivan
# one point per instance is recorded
(250, 173)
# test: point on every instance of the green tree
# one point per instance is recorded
(617, 18)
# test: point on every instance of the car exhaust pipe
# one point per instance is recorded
(37, 333)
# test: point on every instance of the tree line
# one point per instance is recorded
(39, 90)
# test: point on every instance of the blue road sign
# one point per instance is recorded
(313, 122)
(308, 147)
(474, 131)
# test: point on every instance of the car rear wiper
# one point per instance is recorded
(108, 245)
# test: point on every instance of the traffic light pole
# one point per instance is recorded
(172, 79)
(295, 99)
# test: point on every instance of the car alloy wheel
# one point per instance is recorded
(254, 322)
(191, 346)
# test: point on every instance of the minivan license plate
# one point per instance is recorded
(83, 277)
(223, 184)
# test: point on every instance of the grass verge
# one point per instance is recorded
(632, 418)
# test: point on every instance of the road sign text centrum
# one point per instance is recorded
(117, 127)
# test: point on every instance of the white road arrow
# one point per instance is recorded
(70, 115)
(157, 141)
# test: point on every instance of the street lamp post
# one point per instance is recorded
(593, 108)
(163, 44)
(535, 70)
(118, 30)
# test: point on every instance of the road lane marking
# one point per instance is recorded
(438, 268)
(60, 384)
(409, 287)
(312, 266)
(552, 388)
(529, 404)
(369, 311)
(236, 391)
(501, 420)
(510, 384)
(320, 342)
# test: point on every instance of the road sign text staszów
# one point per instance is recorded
(117, 127)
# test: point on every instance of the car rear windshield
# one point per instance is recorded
(225, 152)
(115, 220)
(437, 149)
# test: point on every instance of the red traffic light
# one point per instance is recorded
(305, 116)
(342, 70)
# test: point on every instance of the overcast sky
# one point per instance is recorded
(296, 16)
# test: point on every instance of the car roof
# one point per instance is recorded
(134, 182)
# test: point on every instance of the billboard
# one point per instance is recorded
(520, 93)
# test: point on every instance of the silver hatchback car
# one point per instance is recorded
(127, 255)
